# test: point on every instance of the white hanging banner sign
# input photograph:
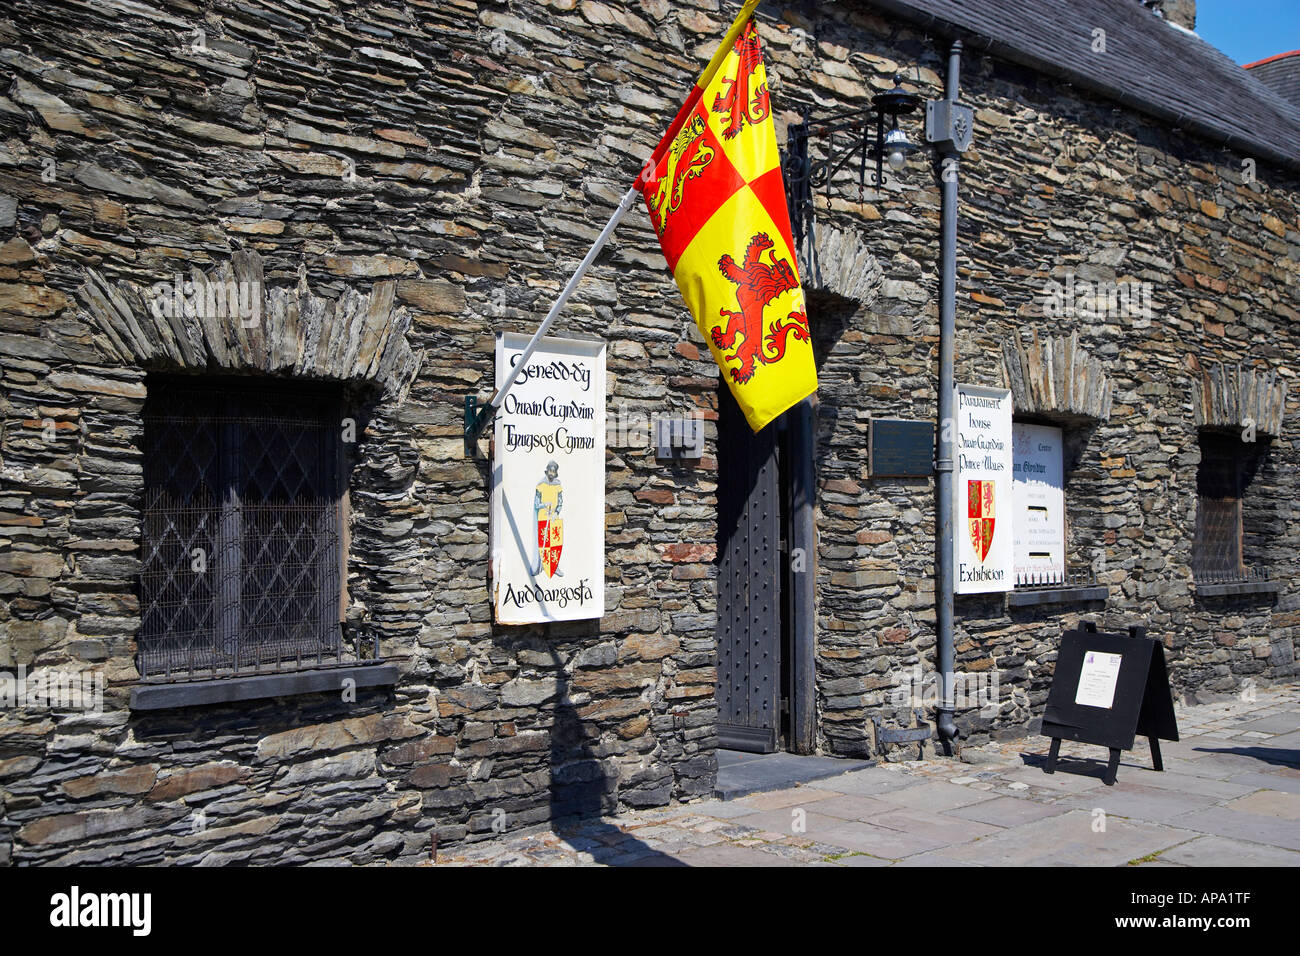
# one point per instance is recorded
(1040, 504)
(984, 551)
(548, 482)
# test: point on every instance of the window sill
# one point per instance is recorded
(232, 689)
(1065, 595)
(1238, 587)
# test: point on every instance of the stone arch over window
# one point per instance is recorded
(1237, 396)
(1057, 379)
(229, 320)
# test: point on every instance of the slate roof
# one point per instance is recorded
(1150, 65)
(1280, 73)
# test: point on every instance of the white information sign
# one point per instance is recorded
(984, 550)
(548, 483)
(1040, 504)
(1097, 679)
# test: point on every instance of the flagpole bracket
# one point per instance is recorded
(476, 420)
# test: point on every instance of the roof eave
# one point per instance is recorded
(1122, 96)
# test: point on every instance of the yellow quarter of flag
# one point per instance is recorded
(717, 200)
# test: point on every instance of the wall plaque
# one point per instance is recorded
(901, 448)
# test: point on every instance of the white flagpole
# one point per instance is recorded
(475, 422)
(623, 208)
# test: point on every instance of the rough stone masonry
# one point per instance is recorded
(400, 182)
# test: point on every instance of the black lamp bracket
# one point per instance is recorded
(803, 175)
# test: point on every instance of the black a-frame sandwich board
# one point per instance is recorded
(1142, 703)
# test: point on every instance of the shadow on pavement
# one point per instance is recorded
(1075, 766)
(613, 846)
(1271, 755)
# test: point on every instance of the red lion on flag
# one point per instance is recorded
(758, 285)
(736, 98)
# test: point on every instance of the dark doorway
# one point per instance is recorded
(764, 629)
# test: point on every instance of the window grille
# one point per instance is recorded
(241, 566)
(1227, 466)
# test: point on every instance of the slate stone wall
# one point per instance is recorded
(439, 165)
(453, 159)
(1057, 182)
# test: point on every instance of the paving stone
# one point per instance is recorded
(1283, 723)
(1063, 781)
(1270, 803)
(867, 782)
(792, 853)
(795, 796)
(1006, 811)
(868, 838)
(1287, 747)
(1242, 757)
(934, 858)
(1270, 780)
(1070, 840)
(724, 809)
(1185, 783)
(1219, 851)
(725, 854)
(1159, 863)
(1254, 827)
(852, 806)
(782, 823)
(950, 830)
(936, 795)
(861, 860)
(1138, 802)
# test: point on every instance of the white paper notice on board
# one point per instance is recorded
(548, 483)
(1097, 679)
(984, 550)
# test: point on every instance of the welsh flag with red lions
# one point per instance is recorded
(716, 197)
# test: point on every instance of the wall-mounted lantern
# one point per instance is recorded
(888, 146)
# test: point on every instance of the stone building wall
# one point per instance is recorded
(1057, 181)
(450, 161)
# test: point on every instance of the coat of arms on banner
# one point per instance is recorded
(548, 500)
(979, 514)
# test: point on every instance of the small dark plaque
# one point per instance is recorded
(901, 448)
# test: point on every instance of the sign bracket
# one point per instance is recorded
(476, 419)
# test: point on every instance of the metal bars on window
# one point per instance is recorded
(240, 539)
(1227, 466)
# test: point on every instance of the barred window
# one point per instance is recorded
(1227, 467)
(241, 568)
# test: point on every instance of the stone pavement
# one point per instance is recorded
(1229, 795)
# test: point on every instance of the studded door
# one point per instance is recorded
(749, 600)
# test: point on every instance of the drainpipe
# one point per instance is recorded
(948, 126)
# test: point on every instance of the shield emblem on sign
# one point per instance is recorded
(979, 514)
(550, 542)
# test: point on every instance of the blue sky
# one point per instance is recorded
(1250, 30)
